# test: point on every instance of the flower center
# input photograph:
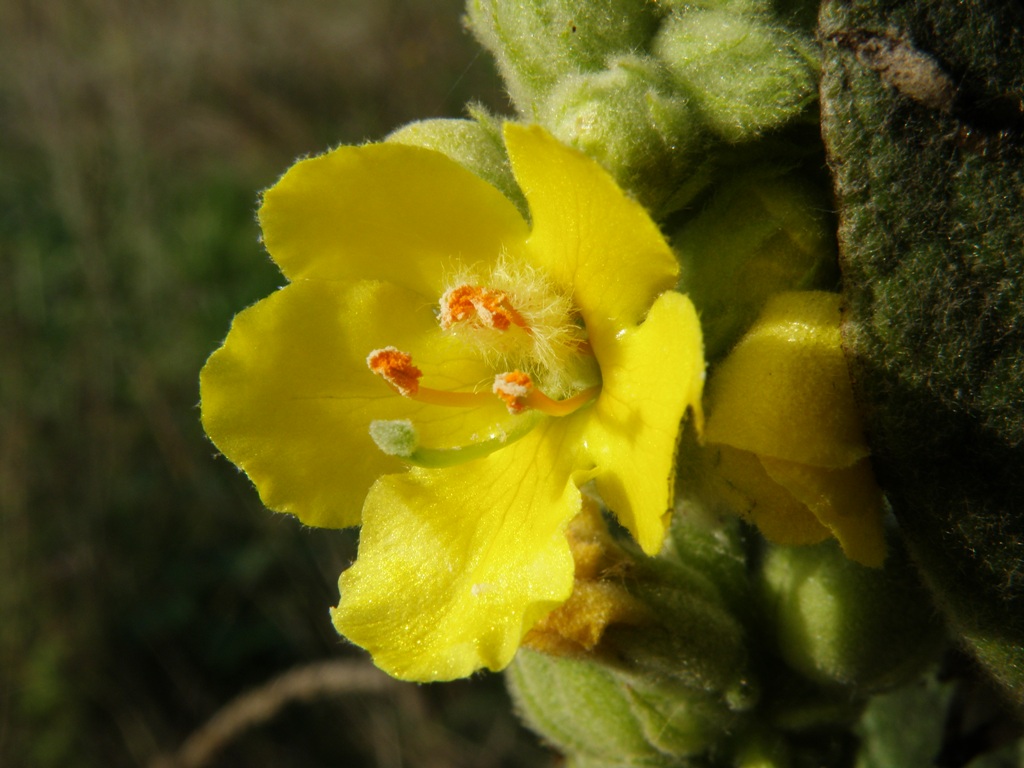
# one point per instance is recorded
(479, 307)
(514, 388)
(522, 328)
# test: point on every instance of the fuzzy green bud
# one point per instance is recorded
(600, 717)
(632, 120)
(746, 74)
(907, 726)
(702, 539)
(761, 233)
(672, 679)
(695, 641)
(838, 622)
(537, 42)
(733, 6)
(475, 144)
(802, 13)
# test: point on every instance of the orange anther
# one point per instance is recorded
(513, 388)
(457, 305)
(479, 306)
(396, 368)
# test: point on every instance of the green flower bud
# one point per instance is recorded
(678, 721)
(733, 6)
(696, 640)
(600, 717)
(837, 621)
(761, 233)
(746, 75)
(669, 680)
(700, 538)
(537, 42)
(630, 118)
(906, 726)
(801, 13)
(474, 144)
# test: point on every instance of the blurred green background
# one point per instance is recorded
(142, 585)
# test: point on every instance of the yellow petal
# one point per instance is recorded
(784, 390)
(388, 212)
(847, 501)
(780, 517)
(592, 240)
(651, 375)
(289, 398)
(456, 565)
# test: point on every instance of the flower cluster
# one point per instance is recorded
(494, 337)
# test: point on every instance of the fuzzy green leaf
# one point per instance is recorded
(923, 112)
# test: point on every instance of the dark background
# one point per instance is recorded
(142, 585)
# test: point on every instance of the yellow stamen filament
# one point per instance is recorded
(514, 388)
(450, 399)
(538, 401)
(518, 393)
(480, 307)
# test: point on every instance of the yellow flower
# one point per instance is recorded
(464, 372)
(782, 412)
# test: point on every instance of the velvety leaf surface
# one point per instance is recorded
(923, 117)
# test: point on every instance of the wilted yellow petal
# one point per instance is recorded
(847, 501)
(289, 398)
(455, 565)
(590, 239)
(387, 212)
(784, 391)
(651, 375)
(780, 517)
